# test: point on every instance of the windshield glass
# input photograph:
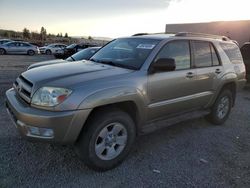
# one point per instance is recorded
(71, 46)
(83, 54)
(129, 53)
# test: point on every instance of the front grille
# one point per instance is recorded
(23, 88)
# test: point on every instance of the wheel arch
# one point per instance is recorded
(128, 107)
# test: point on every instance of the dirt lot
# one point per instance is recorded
(190, 154)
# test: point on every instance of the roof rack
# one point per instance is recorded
(190, 34)
(140, 34)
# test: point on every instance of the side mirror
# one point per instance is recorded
(162, 65)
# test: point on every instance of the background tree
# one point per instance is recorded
(66, 35)
(43, 34)
(90, 38)
(26, 33)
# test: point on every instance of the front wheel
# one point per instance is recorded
(107, 140)
(48, 52)
(221, 108)
(31, 52)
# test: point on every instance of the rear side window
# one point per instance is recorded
(179, 51)
(202, 54)
(233, 52)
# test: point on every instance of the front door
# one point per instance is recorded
(175, 91)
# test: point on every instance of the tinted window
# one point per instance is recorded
(179, 51)
(233, 52)
(12, 44)
(214, 56)
(202, 54)
(24, 45)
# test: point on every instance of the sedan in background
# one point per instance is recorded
(18, 48)
(85, 54)
(52, 48)
(3, 41)
(70, 50)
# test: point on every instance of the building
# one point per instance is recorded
(236, 30)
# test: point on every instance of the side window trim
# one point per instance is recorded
(190, 53)
(217, 55)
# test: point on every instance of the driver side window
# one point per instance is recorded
(179, 51)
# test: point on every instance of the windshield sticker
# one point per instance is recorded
(146, 46)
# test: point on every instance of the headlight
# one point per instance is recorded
(50, 96)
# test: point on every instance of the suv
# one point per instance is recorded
(130, 87)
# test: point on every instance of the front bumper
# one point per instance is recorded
(241, 84)
(66, 125)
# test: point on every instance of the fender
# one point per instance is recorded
(227, 78)
(115, 95)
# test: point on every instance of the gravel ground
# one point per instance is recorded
(190, 154)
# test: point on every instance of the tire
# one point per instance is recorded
(221, 108)
(98, 145)
(48, 52)
(2, 51)
(31, 52)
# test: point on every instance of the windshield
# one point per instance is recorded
(129, 53)
(83, 54)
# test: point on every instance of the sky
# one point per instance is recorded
(115, 18)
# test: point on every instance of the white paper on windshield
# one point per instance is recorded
(146, 46)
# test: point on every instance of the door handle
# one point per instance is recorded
(217, 71)
(190, 75)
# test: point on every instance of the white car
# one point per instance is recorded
(52, 48)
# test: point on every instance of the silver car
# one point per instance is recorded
(18, 48)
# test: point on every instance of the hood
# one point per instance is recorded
(50, 62)
(71, 73)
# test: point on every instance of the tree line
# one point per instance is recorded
(33, 35)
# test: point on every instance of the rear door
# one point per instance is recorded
(12, 48)
(173, 92)
(23, 48)
(208, 69)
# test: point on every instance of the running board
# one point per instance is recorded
(172, 120)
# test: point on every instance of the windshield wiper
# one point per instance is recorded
(108, 62)
(103, 62)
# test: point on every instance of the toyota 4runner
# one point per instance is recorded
(131, 86)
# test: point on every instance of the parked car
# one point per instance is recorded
(2, 41)
(51, 48)
(18, 48)
(85, 54)
(131, 86)
(245, 51)
(70, 50)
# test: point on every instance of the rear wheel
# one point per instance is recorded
(107, 140)
(221, 108)
(31, 52)
(2, 51)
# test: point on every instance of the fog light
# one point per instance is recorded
(36, 131)
(43, 132)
